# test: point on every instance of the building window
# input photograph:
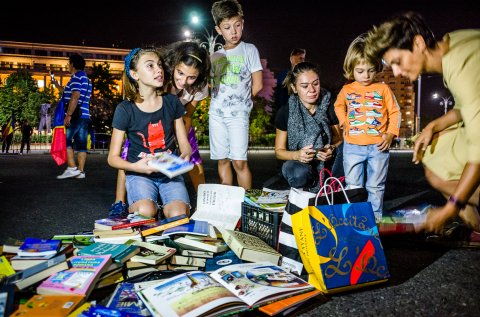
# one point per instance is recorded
(55, 67)
(6, 64)
(101, 56)
(39, 66)
(87, 55)
(116, 57)
(41, 53)
(23, 65)
(8, 50)
(24, 51)
(56, 53)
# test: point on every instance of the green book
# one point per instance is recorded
(120, 252)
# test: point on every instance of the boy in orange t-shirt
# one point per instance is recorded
(370, 117)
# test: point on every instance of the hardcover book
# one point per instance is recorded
(249, 247)
(20, 262)
(120, 253)
(187, 260)
(170, 164)
(159, 226)
(151, 253)
(229, 289)
(80, 279)
(49, 305)
(38, 247)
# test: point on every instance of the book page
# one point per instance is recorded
(220, 205)
(255, 283)
(187, 295)
(271, 196)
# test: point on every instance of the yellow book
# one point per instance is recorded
(5, 267)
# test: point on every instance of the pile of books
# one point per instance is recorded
(144, 265)
(269, 199)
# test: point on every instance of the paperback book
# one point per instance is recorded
(125, 299)
(120, 253)
(170, 164)
(201, 245)
(122, 223)
(39, 247)
(151, 253)
(229, 289)
(193, 227)
(164, 224)
(79, 279)
(49, 305)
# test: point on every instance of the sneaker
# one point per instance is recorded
(81, 175)
(118, 210)
(69, 173)
(378, 216)
(458, 235)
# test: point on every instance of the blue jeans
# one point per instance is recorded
(77, 133)
(145, 187)
(354, 159)
(297, 174)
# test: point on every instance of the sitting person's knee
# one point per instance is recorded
(176, 208)
(145, 207)
(434, 181)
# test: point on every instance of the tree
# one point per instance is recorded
(20, 95)
(105, 96)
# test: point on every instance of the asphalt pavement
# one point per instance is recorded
(426, 279)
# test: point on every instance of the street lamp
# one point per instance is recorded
(210, 44)
(445, 102)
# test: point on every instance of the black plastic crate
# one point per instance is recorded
(262, 223)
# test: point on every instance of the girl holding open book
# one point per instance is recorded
(152, 122)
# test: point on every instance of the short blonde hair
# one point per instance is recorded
(356, 55)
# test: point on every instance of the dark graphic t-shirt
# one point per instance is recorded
(148, 132)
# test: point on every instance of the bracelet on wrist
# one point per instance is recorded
(452, 199)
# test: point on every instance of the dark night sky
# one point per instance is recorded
(324, 28)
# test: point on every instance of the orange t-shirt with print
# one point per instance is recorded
(367, 112)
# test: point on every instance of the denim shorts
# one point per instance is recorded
(77, 134)
(228, 138)
(144, 187)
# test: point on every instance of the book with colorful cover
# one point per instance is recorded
(229, 289)
(120, 253)
(194, 227)
(340, 246)
(49, 305)
(164, 224)
(170, 164)
(80, 278)
(220, 260)
(38, 247)
(6, 268)
(287, 305)
(122, 223)
(125, 299)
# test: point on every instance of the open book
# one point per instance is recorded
(170, 164)
(231, 288)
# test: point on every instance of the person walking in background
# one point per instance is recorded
(370, 118)
(27, 132)
(45, 119)
(281, 91)
(7, 134)
(76, 95)
(152, 122)
(449, 146)
(307, 133)
(237, 77)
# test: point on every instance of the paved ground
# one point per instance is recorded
(427, 280)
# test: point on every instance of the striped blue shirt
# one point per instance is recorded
(79, 82)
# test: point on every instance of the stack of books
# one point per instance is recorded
(120, 230)
(269, 199)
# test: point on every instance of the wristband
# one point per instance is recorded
(456, 202)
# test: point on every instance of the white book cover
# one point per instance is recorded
(170, 164)
(220, 205)
(272, 196)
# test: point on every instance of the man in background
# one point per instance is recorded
(281, 93)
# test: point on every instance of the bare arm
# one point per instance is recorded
(183, 144)
(257, 82)
(187, 118)
(115, 160)
(72, 105)
(437, 125)
(303, 155)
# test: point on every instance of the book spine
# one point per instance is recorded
(165, 227)
(133, 224)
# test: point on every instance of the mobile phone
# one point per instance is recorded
(52, 75)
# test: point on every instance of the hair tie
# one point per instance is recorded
(128, 60)
(196, 57)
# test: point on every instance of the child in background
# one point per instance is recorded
(370, 116)
(151, 121)
(237, 77)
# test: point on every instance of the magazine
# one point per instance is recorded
(170, 164)
(230, 288)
